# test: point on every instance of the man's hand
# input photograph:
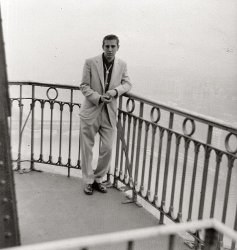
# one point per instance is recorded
(112, 92)
(106, 98)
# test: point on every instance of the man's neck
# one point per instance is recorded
(108, 60)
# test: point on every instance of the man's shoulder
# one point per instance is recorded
(121, 61)
(93, 59)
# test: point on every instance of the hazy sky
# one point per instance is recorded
(183, 50)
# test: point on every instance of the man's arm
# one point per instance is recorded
(124, 87)
(85, 88)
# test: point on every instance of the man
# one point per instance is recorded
(104, 79)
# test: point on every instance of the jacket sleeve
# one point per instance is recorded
(85, 85)
(125, 84)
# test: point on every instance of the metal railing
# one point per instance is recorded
(169, 157)
(183, 164)
(51, 117)
(211, 227)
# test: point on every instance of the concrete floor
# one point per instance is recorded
(52, 207)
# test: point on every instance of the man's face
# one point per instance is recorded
(110, 48)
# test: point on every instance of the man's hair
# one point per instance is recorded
(111, 37)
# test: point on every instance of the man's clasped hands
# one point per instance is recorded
(108, 96)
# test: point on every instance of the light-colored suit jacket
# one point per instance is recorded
(92, 87)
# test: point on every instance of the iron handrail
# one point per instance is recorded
(179, 111)
(132, 235)
(40, 84)
(184, 112)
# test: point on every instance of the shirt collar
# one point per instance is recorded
(105, 60)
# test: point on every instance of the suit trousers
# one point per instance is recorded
(102, 126)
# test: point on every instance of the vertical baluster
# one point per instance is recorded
(151, 158)
(158, 162)
(60, 135)
(133, 148)
(166, 172)
(32, 127)
(42, 102)
(116, 168)
(127, 172)
(79, 149)
(119, 128)
(187, 142)
(130, 245)
(196, 152)
(171, 242)
(218, 161)
(70, 133)
(79, 154)
(205, 172)
(227, 188)
(144, 155)
(10, 127)
(178, 137)
(211, 239)
(233, 244)
(51, 131)
(20, 126)
(122, 154)
(137, 162)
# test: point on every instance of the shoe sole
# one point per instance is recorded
(101, 191)
(88, 193)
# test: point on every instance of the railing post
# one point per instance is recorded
(130, 245)
(151, 160)
(171, 242)
(70, 133)
(187, 142)
(32, 127)
(42, 130)
(167, 159)
(218, 161)
(128, 148)
(138, 143)
(147, 124)
(205, 172)
(226, 197)
(196, 152)
(233, 244)
(9, 229)
(51, 131)
(178, 138)
(60, 138)
(211, 239)
(116, 168)
(20, 127)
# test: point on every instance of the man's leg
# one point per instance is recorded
(87, 139)
(106, 132)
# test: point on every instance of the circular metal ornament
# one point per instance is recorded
(152, 115)
(227, 146)
(192, 129)
(56, 93)
(130, 110)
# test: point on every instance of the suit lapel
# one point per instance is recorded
(100, 68)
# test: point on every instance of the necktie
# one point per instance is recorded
(107, 75)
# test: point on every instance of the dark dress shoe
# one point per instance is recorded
(99, 187)
(88, 189)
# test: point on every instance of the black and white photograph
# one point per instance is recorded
(118, 124)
